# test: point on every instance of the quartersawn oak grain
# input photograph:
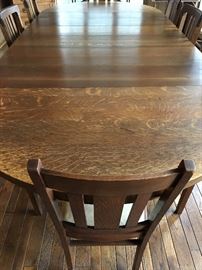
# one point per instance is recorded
(100, 131)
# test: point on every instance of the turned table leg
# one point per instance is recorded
(183, 199)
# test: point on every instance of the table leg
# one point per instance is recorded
(183, 199)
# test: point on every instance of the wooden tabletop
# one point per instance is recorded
(101, 131)
(99, 45)
(148, 120)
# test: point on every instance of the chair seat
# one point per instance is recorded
(89, 211)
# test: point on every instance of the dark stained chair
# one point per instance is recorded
(11, 24)
(108, 196)
(190, 22)
(31, 8)
(172, 10)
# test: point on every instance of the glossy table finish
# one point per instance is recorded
(96, 45)
(101, 131)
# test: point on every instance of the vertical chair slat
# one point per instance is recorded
(18, 22)
(7, 26)
(77, 206)
(13, 28)
(107, 212)
(137, 209)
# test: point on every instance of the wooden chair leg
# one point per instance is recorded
(183, 199)
(35, 203)
(2, 182)
(138, 255)
(67, 256)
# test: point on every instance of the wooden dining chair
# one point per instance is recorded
(172, 10)
(11, 24)
(190, 22)
(31, 8)
(107, 196)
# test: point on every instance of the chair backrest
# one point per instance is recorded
(31, 8)
(108, 195)
(190, 22)
(172, 9)
(11, 24)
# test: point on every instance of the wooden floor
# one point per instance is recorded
(29, 242)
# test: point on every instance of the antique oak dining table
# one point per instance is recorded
(101, 89)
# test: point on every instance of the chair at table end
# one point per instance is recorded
(107, 195)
